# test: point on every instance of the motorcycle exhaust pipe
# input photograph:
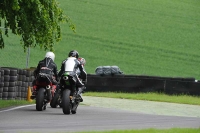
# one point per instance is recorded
(65, 78)
(48, 92)
(48, 87)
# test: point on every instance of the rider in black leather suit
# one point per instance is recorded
(47, 66)
(71, 65)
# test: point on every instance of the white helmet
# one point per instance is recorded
(50, 55)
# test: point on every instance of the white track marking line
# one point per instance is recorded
(16, 108)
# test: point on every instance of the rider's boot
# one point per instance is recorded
(33, 95)
(80, 90)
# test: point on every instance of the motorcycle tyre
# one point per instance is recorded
(66, 101)
(40, 99)
(54, 101)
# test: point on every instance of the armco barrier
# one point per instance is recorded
(14, 84)
(182, 87)
(143, 83)
(123, 84)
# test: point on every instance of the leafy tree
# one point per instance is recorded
(37, 22)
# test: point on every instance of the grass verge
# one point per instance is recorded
(159, 97)
(13, 103)
(151, 130)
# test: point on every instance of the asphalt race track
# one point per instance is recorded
(88, 118)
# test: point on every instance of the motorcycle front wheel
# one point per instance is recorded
(40, 99)
(66, 101)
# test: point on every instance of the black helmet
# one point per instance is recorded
(73, 53)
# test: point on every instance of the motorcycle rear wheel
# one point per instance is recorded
(40, 99)
(66, 101)
(54, 101)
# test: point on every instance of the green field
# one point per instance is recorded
(142, 37)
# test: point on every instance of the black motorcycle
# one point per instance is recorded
(66, 95)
